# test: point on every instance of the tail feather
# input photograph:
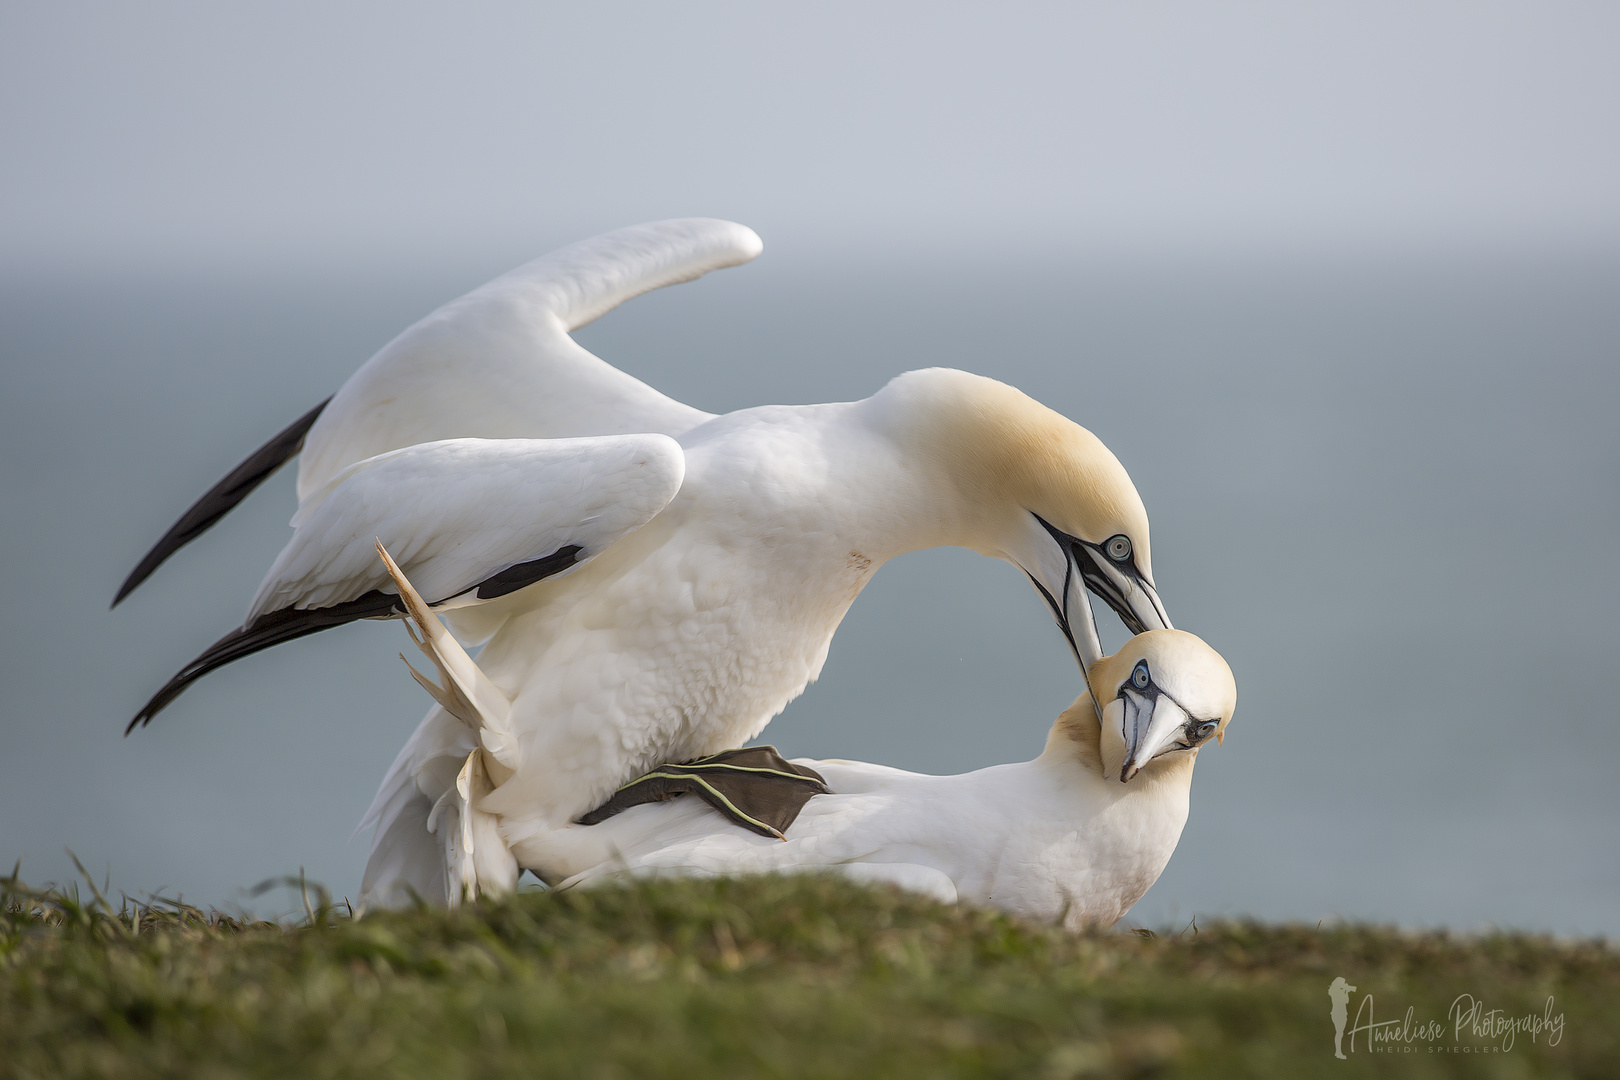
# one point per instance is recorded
(476, 858)
(423, 797)
(467, 693)
(406, 864)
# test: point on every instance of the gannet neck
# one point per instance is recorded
(1076, 738)
(994, 456)
(833, 468)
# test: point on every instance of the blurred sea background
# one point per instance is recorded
(1339, 288)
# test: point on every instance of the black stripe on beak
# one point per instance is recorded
(1101, 584)
(1090, 558)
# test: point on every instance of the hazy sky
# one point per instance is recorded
(157, 131)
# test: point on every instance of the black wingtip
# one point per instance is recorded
(267, 630)
(136, 576)
(222, 498)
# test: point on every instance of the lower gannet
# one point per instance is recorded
(652, 582)
(1075, 836)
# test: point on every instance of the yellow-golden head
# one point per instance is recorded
(1165, 693)
(1028, 485)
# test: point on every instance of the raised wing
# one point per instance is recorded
(499, 364)
(468, 520)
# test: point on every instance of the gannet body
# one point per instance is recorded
(1075, 836)
(1044, 839)
(652, 582)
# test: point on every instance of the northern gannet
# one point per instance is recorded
(652, 582)
(1075, 836)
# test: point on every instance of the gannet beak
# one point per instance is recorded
(1051, 569)
(1065, 570)
(1131, 595)
(1150, 725)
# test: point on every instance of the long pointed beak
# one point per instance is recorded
(1133, 598)
(1084, 570)
(1071, 608)
(1079, 622)
(1149, 609)
(1150, 723)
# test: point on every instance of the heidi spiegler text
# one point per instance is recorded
(1471, 1027)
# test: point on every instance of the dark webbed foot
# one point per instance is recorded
(754, 787)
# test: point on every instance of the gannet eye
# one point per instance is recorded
(1207, 728)
(1118, 547)
(1140, 677)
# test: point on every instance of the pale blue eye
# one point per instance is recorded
(1140, 677)
(1118, 547)
(1207, 728)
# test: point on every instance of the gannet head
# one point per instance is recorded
(1163, 695)
(1031, 486)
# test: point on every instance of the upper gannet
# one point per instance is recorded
(1075, 836)
(653, 582)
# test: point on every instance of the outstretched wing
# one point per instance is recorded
(499, 364)
(496, 364)
(468, 520)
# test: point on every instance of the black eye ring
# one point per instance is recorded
(1140, 677)
(1118, 547)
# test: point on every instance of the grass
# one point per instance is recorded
(766, 977)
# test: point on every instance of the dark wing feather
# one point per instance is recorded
(275, 627)
(222, 498)
(267, 630)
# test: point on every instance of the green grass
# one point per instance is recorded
(768, 977)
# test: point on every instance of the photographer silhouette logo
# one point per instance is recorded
(1470, 1027)
(1339, 991)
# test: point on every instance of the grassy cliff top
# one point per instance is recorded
(766, 977)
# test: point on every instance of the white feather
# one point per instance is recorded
(498, 363)
(458, 511)
(476, 858)
(1057, 839)
(719, 553)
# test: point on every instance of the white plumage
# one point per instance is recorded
(651, 582)
(1061, 838)
(462, 510)
(498, 363)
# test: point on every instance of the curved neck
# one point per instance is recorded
(1076, 739)
(915, 485)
